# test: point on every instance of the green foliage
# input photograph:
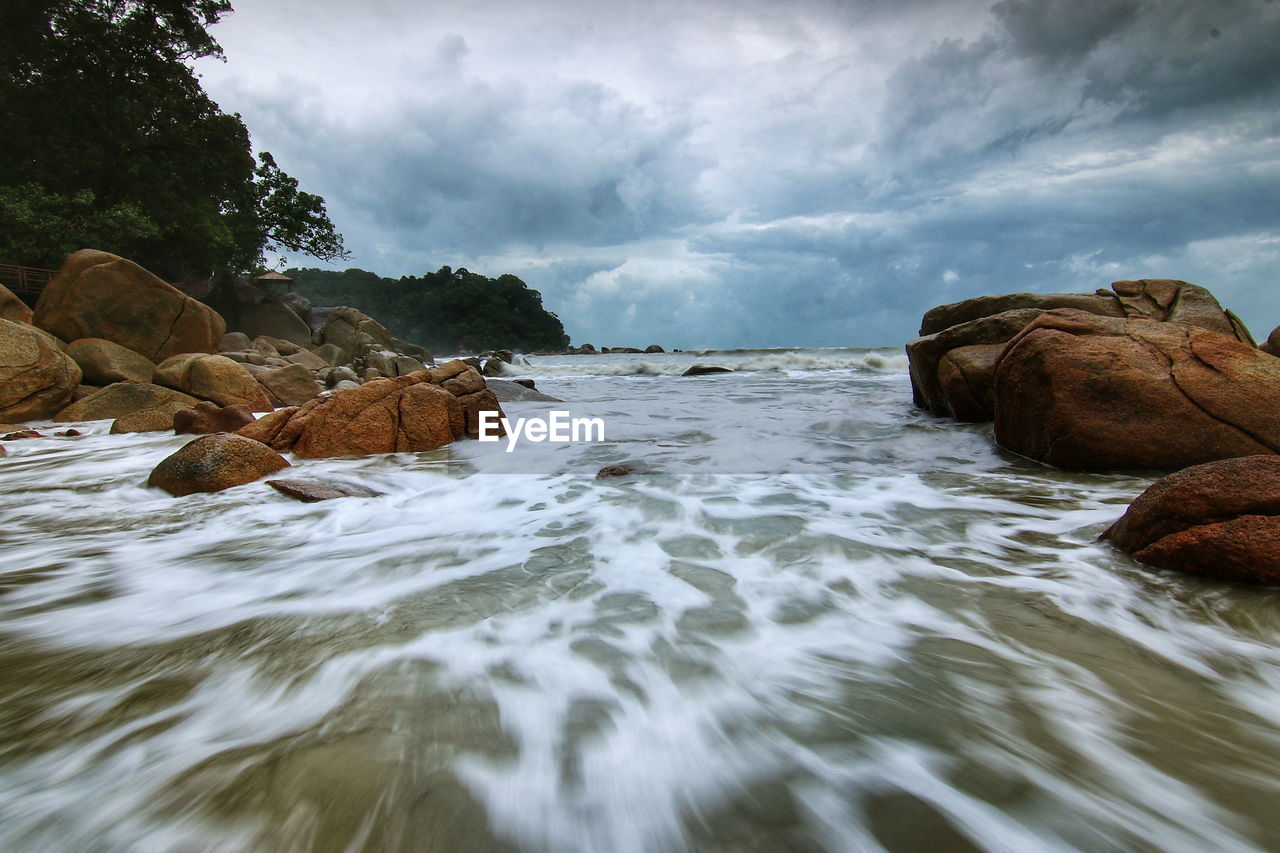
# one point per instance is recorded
(104, 117)
(445, 311)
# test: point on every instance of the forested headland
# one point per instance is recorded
(446, 311)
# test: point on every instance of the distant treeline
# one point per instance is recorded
(446, 311)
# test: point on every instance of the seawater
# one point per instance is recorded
(813, 619)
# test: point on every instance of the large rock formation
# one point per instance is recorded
(421, 411)
(36, 378)
(1085, 392)
(213, 377)
(104, 362)
(215, 462)
(1220, 519)
(354, 333)
(950, 379)
(208, 417)
(100, 295)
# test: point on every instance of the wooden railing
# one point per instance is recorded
(25, 282)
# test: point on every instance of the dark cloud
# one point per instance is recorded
(775, 175)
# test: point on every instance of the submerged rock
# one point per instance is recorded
(705, 370)
(311, 491)
(620, 470)
(212, 463)
(1220, 519)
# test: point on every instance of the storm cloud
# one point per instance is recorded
(760, 174)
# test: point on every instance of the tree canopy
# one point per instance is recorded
(111, 142)
(446, 311)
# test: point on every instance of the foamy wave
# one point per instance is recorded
(673, 364)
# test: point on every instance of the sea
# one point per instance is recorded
(812, 618)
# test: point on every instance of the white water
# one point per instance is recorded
(813, 620)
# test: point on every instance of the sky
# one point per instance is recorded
(777, 174)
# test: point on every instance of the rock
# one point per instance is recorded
(495, 367)
(83, 391)
(125, 399)
(329, 353)
(652, 348)
(310, 491)
(103, 362)
(353, 333)
(273, 318)
(213, 377)
(215, 462)
(100, 295)
(585, 349)
(289, 386)
(68, 433)
(507, 390)
(615, 471)
(406, 364)
(631, 350)
(208, 417)
(381, 416)
(282, 347)
(20, 434)
(528, 383)
(1093, 393)
(412, 350)
(475, 403)
(340, 374)
(37, 379)
(466, 382)
(12, 308)
(299, 305)
(1271, 345)
(263, 347)
(344, 384)
(234, 342)
(966, 377)
(307, 359)
(371, 373)
(705, 370)
(990, 320)
(946, 316)
(1220, 519)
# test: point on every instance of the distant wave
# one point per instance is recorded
(743, 361)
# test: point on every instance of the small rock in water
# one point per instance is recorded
(310, 491)
(704, 369)
(528, 383)
(22, 433)
(615, 471)
(215, 462)
(69, 433)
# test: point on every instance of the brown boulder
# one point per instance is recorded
(966, 377)
(103, 362)
(213, 377)
(215, 462)
(1220, 519)
(1098, 393)
(100, 295)
(12, 308)
(208, 417)
(353, 332)
(310, 491)
(123, 399)
(36, 378)
(289, 386)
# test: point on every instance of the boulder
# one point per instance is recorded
(1220, 519)
(12, 308)
(299, 305)
(406, 414)
(495, 366)
(1271, 345)
(1093, 393)
(234, 342)
(282, 347)
(103, 362)
(353, 332)
(310, 491)
(289, 386)
(508, 390)
(275, 319)
(381, 416)
(37, 379)
(123, 399)
(990, 320)
(307, 359)
(100, 295)
(331, 354)
(620, 470)
(653, 348)
(215, 462)
(213, 377)
(208, 417)
(705, 370)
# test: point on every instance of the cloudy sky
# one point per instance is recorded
(801, 173)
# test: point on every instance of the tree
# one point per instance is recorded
(106, 120)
